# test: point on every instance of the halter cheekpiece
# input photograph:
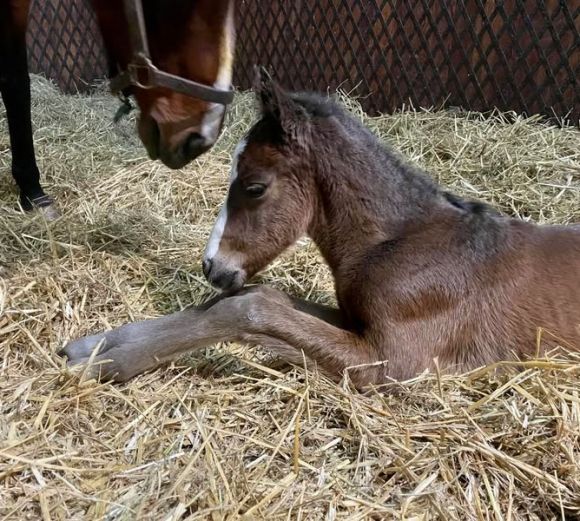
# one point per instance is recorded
(142, 73)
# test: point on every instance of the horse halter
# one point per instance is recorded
(142, 73)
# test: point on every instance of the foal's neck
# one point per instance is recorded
(366, 195)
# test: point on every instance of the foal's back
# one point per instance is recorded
(471, 287)
(554, 286)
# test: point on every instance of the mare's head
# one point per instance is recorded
(272, 196)
(193, 39)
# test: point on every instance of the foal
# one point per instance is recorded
(419, 273)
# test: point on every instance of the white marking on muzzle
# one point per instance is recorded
(213, 244)
(210, 124)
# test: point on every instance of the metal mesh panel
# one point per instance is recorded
(520, 55)
(64, 43)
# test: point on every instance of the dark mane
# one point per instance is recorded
(475, 207)
(321, 106)
(317, 105)
(387, 161)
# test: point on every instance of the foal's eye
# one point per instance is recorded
(255, 190)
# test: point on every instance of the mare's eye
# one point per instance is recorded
(255, 190)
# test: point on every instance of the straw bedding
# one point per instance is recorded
(228, 433)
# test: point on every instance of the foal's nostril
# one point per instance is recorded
(206, 266)
(225, 280)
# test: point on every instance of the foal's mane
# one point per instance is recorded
(317, 105)
(320, 106)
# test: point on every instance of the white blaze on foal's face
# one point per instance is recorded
(215, 264)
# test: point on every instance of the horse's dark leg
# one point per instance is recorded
(15, 89)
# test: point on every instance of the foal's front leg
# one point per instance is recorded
(291, 326)
(134, 348)
(259, 316)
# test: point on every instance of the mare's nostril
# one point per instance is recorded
(195, 144)
(206, 267)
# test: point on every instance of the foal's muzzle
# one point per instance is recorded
(222, 276)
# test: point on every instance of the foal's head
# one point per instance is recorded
(193, 39)
(271, 199)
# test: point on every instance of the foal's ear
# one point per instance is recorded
(271, 96)
(277, 103)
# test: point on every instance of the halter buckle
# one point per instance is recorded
(142, 74)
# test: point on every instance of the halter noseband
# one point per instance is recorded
(142, 73)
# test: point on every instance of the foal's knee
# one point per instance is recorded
(250, 310)
(267, 293)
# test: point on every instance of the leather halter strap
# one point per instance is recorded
(142, 73)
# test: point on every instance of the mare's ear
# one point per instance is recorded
(277, 103)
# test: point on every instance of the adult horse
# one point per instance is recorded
(174, 56)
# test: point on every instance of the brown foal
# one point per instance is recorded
(420, 274)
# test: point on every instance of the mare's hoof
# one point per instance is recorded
(43, 204)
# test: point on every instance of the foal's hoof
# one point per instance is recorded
(110, 363)
(43, 204)
(82, 348)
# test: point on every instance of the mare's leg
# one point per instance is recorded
(257, 316)
(15, 89)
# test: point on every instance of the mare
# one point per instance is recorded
(424, 279)
(174, 56)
